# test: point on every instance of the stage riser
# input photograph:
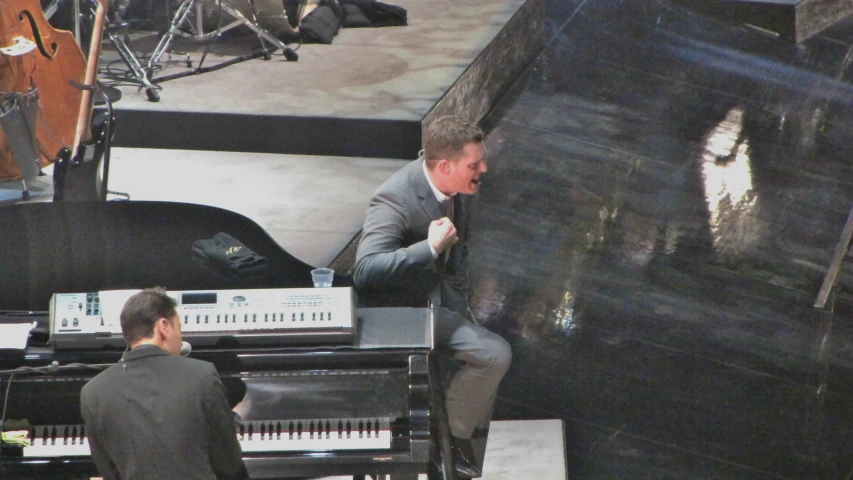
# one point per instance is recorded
(348, 137)
(497, 66)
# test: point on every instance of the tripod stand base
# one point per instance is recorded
(181, 18)
(198, 70)
(140, 75)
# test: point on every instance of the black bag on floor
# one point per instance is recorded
(323, 23)
(372, 13)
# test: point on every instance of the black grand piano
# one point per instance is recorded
(370, 407)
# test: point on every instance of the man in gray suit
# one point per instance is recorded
(156, 414)
(414, 247)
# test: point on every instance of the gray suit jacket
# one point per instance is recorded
(394, 265)
(156, 416)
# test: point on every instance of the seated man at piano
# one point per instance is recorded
(157, 414)
(414, 248)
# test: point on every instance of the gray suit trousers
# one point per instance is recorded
(484, 359)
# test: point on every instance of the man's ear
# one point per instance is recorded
(160, 327)
(443, 167)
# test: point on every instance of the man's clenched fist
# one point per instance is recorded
(442, 234)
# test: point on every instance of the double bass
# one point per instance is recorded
(35, 57)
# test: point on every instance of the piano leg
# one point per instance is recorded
(443, 438)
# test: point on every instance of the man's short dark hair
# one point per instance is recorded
(141, 312)
(445, 137)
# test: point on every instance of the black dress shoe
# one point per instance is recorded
(463, 459)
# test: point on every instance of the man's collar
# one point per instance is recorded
(143, 351)
(441, 197)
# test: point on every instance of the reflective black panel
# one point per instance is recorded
(665, 191)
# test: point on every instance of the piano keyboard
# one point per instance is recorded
(254, 436)
(313, 434)
(58, 441)
(252, 317)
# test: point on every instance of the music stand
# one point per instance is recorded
(197, 33)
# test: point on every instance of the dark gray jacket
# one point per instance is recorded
(394, 265)
(156, 416)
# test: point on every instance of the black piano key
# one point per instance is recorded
(311, 429)
(376, 422)
(290, 427)
(53, 436)
(360, 429)
(250, 430)
(328, 428)
(278, 430)
(299, 430)
(349, 428)
(263, 431)
(340, 428)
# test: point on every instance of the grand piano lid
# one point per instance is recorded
(92, 246)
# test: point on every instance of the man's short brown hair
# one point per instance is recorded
(141, 312)
(445, 137)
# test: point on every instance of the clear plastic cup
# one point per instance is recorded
(322, 277)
